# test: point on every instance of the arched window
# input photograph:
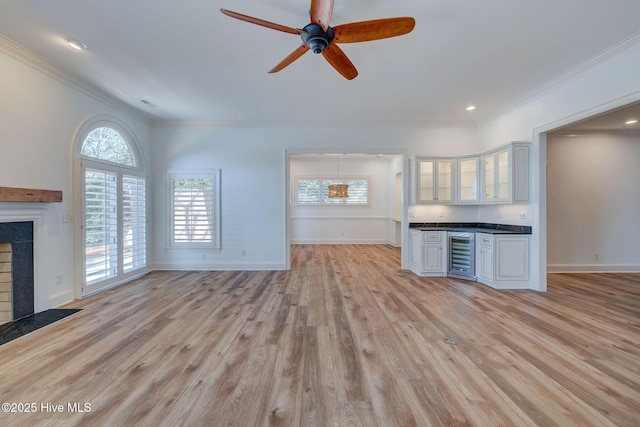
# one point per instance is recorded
(113, 208)
(105, 143)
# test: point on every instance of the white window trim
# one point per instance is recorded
(297, 203)
(111, 122)
(215, 245)
(138, 169)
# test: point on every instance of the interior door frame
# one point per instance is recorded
(404, 226)
(539, 237)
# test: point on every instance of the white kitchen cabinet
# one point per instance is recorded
(503, 260)
(434, 180)
(468, 180)
(413, 180)
(484, 257)
(428, 252)
(505, 174)
(498, 176)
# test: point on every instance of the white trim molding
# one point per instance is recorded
(37, 213)
(593, 268)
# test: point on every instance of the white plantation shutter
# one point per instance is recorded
(358, 192)
(100, 225)
(194, 211)
(134, 235)
(308, 191)
(315, 191)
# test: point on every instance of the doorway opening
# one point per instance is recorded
(374, 213)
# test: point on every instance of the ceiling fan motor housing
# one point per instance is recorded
(315, 38)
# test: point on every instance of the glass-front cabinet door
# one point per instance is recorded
(426, 178)
(468, 179)
(435, 181)
(445, 181)
(489, 175)
(496, 170)
(503, 175)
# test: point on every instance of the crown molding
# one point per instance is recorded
(561, 79)
(27, 57)
(280, 123)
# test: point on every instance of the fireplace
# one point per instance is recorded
(29, 260)
(16, 270)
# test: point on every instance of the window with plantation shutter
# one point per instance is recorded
(315, 191)
(114, 204)
(194, 211)
(134, 230)
(100, 225)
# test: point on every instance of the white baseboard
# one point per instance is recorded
(506, 285)
(593, 268)
(344, 242)
(61, 298)
(229, 266)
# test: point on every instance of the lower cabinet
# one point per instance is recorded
(428, 252)
(503, 260)
(484, 257)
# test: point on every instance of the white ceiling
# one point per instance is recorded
(194, 63)
(615, 120)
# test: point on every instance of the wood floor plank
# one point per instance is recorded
(343, 338)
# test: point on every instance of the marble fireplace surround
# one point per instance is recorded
(36, 213)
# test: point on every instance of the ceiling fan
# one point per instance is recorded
(319, 37)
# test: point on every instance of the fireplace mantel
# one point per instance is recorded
(10, 194)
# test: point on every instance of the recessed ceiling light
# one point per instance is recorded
(471, 107)
(631, 122)
(75, 43)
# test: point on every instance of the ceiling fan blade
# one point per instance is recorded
(338, 60)
(320, 12)
(301, 50)
(373, 30)
(261, 22)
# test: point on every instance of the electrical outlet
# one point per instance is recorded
(59, 279)
(243, 252)
(524, 215)
(596, 256)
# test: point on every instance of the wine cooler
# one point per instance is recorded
(462, 263)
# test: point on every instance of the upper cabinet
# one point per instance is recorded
(468, 180)
(495, 174)
(413, 180)
(498, 176)
(505, 174)
(435, 180)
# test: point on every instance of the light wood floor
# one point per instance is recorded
(344, 338)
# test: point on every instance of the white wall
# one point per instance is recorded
(608, 82)
(593, 203)
(443, 213)
(345, 224)
(255, 155)
(39, 116)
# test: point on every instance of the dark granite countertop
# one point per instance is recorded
(471, 227)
